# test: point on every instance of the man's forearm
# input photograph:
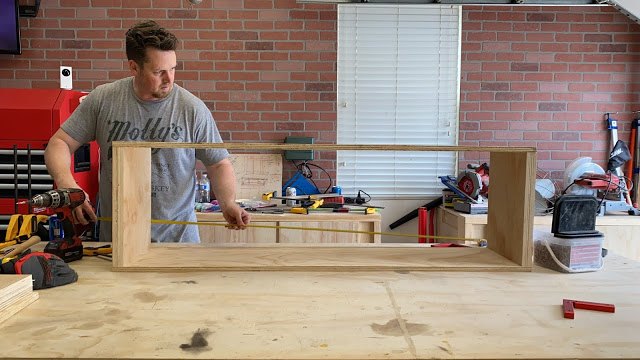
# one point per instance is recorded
(223, 182)
(57, 157)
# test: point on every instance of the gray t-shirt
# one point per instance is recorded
(112, 112)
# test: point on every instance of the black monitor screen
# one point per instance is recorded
(9, 27)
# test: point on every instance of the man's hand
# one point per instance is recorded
(237, 218)
(84, 214)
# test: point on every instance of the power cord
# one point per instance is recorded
(359, 199)
(305, 170)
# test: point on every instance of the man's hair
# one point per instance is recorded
(148, 34)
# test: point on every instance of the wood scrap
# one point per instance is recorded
(16, 293)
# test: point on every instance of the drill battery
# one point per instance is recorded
(66, 249)
(62, 240)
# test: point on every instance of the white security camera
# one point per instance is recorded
(66, 78)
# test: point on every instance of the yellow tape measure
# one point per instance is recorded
(218, 223)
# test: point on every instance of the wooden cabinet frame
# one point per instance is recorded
(509, 224)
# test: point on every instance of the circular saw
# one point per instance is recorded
(474, 181)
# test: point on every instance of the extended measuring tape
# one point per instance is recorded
(218, 223)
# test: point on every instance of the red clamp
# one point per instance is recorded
(569, 305)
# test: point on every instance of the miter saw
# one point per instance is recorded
(472, 187)
(583, 177)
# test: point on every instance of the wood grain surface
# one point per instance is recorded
(329, 315)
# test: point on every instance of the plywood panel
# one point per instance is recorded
(511, 205)
(333, 257)
(320, 220)
(131, 204)
(16, 293)
(329, 315)
(222, 235)
(289, 236)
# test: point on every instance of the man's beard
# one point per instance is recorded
(161, 94)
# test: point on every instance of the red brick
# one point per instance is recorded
(503, 86)
(566, 116)
(552, 106)
(611, 87)
(598, 58)
(538, 17)
(581, 48)
(612, 48)
(527, 47)
(469, 126)
(481, 57)
(243, 35)
(508, 96)
(542, 58)
(510, 36)
(512, 77)
(612, 68)
(543, 37)
(537, 135)
(611, 28)
(537, 116)
(242, 76)
(565, 97)
(481, 15)
(554, 47)
(567, 77)
(494, 106)
(580, 126)
(564, 155)
(554, 67)
(581, 106)
(494, 125)
(554, 27)
(525, 66)
(306, 96)
(538, 76)
(569, 38)
(523, 125)
(479, 135)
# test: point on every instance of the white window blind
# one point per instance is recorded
(398, 84)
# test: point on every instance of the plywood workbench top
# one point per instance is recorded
(323, 315)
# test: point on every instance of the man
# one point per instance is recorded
(149, 107)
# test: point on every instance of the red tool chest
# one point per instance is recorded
(29, 117)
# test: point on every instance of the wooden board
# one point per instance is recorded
(131, 204)
(511, 221)
(329, 315)
(320, 257)
(16, 293)
(278, 228)
(509, 228)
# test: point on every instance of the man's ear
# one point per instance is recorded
(134, 67)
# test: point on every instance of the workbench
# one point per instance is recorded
(621, 231)
(275, 228)
(329, 315)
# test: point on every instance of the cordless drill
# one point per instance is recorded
(63, 201)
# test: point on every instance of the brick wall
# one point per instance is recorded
(265, 68)
(538, 76)
(545, 77)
